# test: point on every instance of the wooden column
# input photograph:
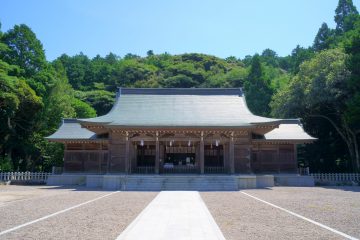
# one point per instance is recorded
(231, 154)
(250, 156)
(82, 159)
(295, 158)
(108, 164)
(127, 155)
(278, 157)
(202, 160)
(157, 154)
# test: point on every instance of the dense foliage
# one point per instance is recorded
(320, 84)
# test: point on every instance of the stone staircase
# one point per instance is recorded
(180, 182)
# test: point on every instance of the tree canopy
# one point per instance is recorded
(318, 83)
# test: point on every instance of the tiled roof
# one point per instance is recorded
(180, 107)
(70, 129)
(289, 131)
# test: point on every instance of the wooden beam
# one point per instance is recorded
(157, 154)
(295, 157)
(231, 154)
(278, 157)
(127, 157)
(202, 159)
(86, 151)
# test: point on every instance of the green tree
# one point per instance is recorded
(257, 90)
(24, 50)
(102, 101)
(150, 53)
(77, 70)
(298, 56)
(344, 15)
(82, 109)
(322, 38)
(320, 90)
(179, 81)
(19, 107)
(352, 48)
(270, 57)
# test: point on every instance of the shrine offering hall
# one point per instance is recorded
(180, 131)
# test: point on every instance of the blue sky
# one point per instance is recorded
(222, 28)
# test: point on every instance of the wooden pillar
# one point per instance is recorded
(157, 154)
(249, 157)
(82, 157)
(202, 159)
(100, 156)
(278, 158)
(127, 153)
(108, 164)
(231, 154)
(295, 158)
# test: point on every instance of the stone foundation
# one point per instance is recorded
(180, 182)
(294, 180)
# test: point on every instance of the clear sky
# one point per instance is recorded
(218, 27)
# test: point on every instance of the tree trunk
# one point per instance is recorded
(357, 157)
(349, 137)
(352, 154)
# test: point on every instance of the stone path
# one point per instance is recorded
(174, 215)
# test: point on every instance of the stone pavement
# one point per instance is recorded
(174, 215)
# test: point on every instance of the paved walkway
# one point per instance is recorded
(174, 215)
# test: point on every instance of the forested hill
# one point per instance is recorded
(319, 83)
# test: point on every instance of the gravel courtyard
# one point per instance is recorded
(103, 219)
(98, 214)
(242, 217)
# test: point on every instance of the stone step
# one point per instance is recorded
(181, 183)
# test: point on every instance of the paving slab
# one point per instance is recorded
(174, 215)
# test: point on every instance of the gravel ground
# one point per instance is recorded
(238, 216)
(241, 217)
(105, 218)
(39, 205)
(336, 207)
(11, 193)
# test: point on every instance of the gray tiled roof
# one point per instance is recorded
(70, 129)
(289, 131)
(181, 107)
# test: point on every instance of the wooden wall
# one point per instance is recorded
(242, 158)
(117, 150)
(86, 157)
(111, 157)
(274, 158)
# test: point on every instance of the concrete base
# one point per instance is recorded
(246, 181)
(94, 181)
(67, 179)
(264, 181)
(114, 182)
(174, 182)
(294, 180)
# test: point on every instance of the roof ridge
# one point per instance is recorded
(181, 91)
(70, 120)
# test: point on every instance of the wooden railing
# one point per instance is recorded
(304, 171)
(24, 176)
(143, 170)
(57, 170)
(215, 170)
(180, 170)
(336, 177)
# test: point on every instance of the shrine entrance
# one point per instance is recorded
(180, 158)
